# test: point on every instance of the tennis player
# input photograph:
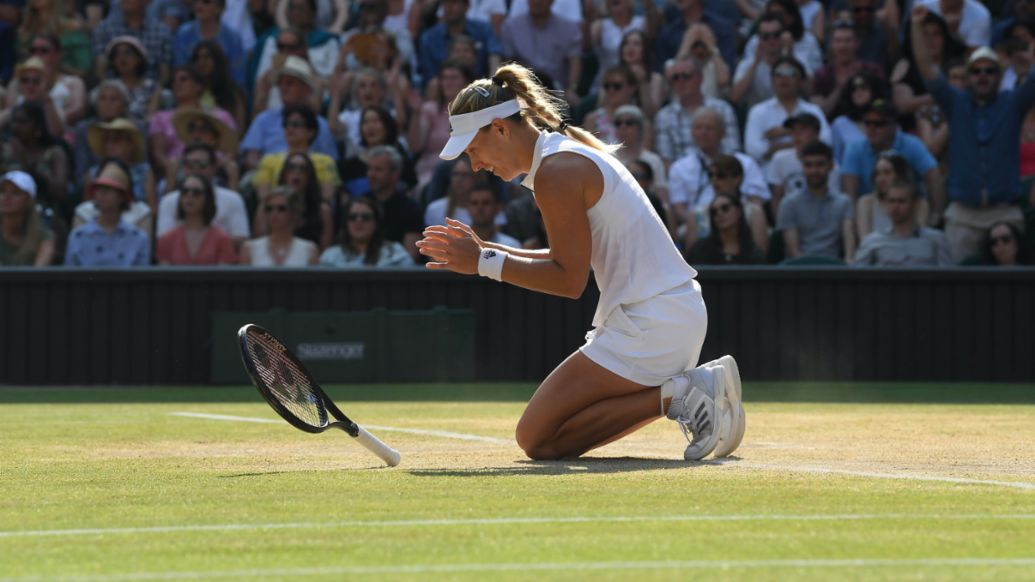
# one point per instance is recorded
(650, 322)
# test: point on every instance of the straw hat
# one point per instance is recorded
(95, 137)
(113, 177)
(298, 68)
(227, 137)
(31, 63)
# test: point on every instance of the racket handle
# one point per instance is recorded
(374, 444)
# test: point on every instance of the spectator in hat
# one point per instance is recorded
(194, 126)
(108, 240)
(290, 43)
(764, 133)
(631, 130)
(121, 139)
(904, 243)
(24, 239)
(109, 101)
(266, 133)
(127, 62)
(831, 80)
(68, 92)
(785, 174)
(30, 85)
(231, 214)
(883, 134)
(984, 138)
(815, 221)
(320, 45)
(166, 145)
(132, 20)
(674, 139)
(207, 25)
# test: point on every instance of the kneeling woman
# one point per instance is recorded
(650, 323)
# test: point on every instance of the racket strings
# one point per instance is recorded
(285, 381)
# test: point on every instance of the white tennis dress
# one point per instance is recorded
(651, 320)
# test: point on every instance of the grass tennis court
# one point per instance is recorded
(848, 482)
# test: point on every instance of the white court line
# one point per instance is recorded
(737, 462)
(490, 521)
(877, 475)
(551, 566)
(424, 432)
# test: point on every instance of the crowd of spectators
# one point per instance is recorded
(306, 132)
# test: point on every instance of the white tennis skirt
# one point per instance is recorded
(653, 340)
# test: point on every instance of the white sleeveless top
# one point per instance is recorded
(633, 256)
(298, 255)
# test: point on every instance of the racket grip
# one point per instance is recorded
(374, 444)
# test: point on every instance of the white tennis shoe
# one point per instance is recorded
(732, 410)
(693, 407)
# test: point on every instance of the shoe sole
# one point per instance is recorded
(734, 400)
(720, 394)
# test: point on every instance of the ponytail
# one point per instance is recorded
(540, 107)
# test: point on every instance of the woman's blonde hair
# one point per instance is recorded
(540, 108)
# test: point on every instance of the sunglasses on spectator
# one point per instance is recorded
(195, 164)
(626, 122)
(194, 192)
(361, 217)
(720, 209)
(614, 86)
(271, 208)
(682, 76)
(30, 80)
(40, 50)
(998, 240)
(978, 71)
(769, 35)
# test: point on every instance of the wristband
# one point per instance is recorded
(490, 264)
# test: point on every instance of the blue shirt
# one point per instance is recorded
(860, 158)
(189, 35)
(671, 37)
(266, 135)
(434, 47)
(90, 245)
(984, 142)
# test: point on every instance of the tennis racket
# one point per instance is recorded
(287, 386)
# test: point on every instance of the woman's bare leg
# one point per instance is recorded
(580, 406)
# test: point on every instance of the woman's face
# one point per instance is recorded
(617, 90)
(12, 200)
(724, 212)
(373, 129)
(934, 39)
(861, 93)
(204, 63)
(192, 196)
(296, 174)
(451, 81)
(296, 132)
(185, 88)
(125, 59)
(369, 91)
(724, 182)
(107, 199)
(632, 50)
(278, 214)
(1004, 245)
(110, 104)
(360, 222)
(493, 151)
(883, 175)
(628, 130)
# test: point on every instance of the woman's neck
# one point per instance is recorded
(194, 222)
(296, 148)
(360, 246)
(525, 137)
(189, 102)
(109, 219)
(281, 236)
(728, 237)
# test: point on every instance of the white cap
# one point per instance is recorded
(23, 181)
(463, 127)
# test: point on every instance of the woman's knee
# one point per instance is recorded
(535, 443)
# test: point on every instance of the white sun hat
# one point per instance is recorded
(463, 127)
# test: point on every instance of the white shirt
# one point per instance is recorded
(231, 215)
(435, 213)
(975, 22)
(785, 170)
(632, 255)
(769, 114)
(688, 181)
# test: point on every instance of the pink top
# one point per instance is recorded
(216, 248)
(161, 123)
(438, 135)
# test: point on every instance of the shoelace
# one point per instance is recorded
(697, 423)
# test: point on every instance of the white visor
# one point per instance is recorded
(463, 127)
